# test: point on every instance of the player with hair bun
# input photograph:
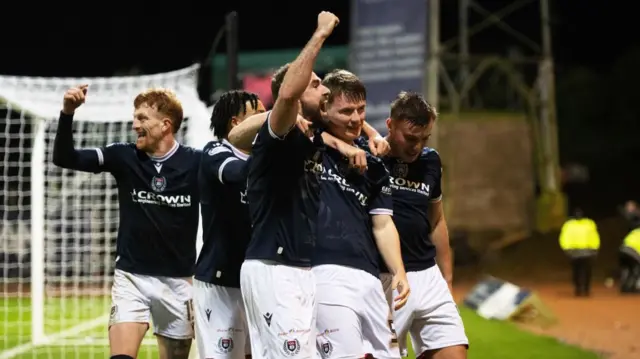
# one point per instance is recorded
(221, 324)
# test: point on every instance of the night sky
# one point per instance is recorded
(76, 39)
(596, 113)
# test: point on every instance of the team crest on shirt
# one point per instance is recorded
(291, 347)
(225, 345)
(327, 348)
(400, 170)
(158, 183)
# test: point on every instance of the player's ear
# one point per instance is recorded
(166, 124)
(389, 124)
(234, 121)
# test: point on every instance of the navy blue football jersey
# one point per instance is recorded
(283, 194)
(349, 199)
(158, 200)
(225, 214)
(415, 186)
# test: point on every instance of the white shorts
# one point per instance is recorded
(280, 306)
(221, 324)
(165, 301)
(430, 316)
(353, 315)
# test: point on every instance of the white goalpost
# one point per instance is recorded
(58, 227)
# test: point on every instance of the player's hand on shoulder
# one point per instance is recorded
(379, 146)
(74, 98)
(401, 285)
(304, 126)
(326, 23)
(357, 158)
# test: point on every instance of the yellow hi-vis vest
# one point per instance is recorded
(632, 240)
(579, 234)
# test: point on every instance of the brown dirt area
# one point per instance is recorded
(607, 322)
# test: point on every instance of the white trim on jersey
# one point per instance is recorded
(166, 155)
(273, 134)
(436, 200)
(100, 157)
(381, 211)
(224, 163)
(241, 155)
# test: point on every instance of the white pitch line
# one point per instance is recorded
(24, 348)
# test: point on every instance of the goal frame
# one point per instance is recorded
(197, 135)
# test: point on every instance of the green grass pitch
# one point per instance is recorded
(489, 339)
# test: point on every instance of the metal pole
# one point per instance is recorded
(433, 61)
(548, 110)
(232, 50)
(463, 39)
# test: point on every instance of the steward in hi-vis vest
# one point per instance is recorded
(630, 263)
(580, 240)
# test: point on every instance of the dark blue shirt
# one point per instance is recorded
(225, 214)
(283, 196)
(158, 200)
(349, 199)
(415, 186)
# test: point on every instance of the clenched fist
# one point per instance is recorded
(326, 23)
(74, 98)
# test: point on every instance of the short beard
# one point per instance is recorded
(313, 114)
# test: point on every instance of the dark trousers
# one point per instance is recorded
(581, 268)
(629, 274)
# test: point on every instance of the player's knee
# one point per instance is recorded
(121, 356)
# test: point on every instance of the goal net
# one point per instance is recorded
(58, 227)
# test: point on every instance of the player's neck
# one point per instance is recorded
(165, 146)
(393, 152)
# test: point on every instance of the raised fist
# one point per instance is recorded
(73, 98)
(326, 23)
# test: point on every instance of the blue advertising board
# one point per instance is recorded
(388, 51)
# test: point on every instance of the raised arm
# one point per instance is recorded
(64, 153)
(285, 110)
(242, 135)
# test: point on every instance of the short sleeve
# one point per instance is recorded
(219, 162)
(434, 173)
(381, 201)
(268, 149)
(266, 137)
